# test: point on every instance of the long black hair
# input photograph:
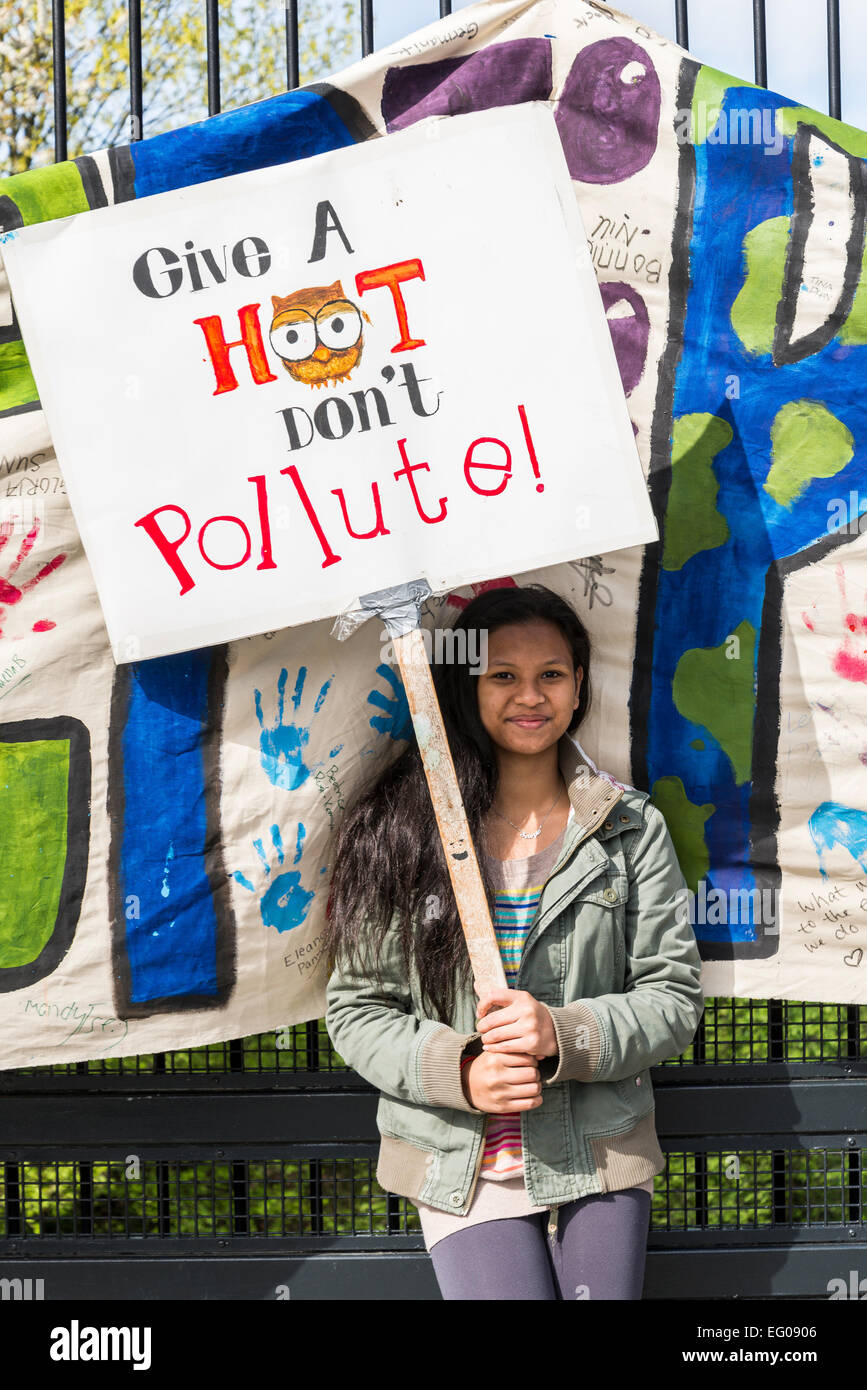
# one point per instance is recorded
(388, 854)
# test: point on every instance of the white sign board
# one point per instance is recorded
(274, 392)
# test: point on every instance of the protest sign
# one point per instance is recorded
(279, 390)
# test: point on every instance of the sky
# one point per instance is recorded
(722, 35)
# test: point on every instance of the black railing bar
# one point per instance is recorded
(853, 1040)
(681, 20)
(445, 8)
(855, 1203)
(312, 1042)
(760, 43)
(292, 66)
(699, 1044)
(701, 1189)
(776, 1030)
(239, 1172)
(164, 1198)
(366, 27)
(240, 1199)
(834, 99)
(163, 1192)
(12, 1198)
(135, 70)
(58, 45)
(83, 1206)
(780, 1192)
(394, 1208)
(212, 31)
(317, 1204)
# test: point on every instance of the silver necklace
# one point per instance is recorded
(533, 835)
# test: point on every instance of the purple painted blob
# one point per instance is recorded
(629, 334)
(503, 74)
(608, 114)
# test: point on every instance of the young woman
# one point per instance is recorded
(521, 1125)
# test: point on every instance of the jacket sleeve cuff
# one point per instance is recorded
(441, 1067)
(579, 1044)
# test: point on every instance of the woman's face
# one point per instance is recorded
(530, 690)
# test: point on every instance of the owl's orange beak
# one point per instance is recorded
(322, 354)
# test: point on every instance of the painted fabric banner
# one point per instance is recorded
(167, 825)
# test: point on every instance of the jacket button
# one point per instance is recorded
(609, 825)
(456, 1199)
(624, 819)
(609, 895)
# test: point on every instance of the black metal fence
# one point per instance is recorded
(368, 38)
(247, 1169)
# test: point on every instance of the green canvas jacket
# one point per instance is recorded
(613, 957)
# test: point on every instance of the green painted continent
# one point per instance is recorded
(685, 821)
(807, 442)
(715, 687)
(754, 311)
(692, 521)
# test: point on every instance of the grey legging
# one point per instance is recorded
(597, 1252)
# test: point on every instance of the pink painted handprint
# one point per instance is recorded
(850, 660)
(11, 594)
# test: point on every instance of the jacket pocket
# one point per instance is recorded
(601, 905)
(610, 889)
(637, 1092)
(426, 1126)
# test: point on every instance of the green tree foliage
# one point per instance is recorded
(174, 66)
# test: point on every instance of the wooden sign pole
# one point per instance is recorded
(448, 807)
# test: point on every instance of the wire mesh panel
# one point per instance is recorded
(815, 1191)
(126, 1199)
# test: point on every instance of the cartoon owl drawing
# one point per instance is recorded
(317, 333)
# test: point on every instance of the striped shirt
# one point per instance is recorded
(515, 908)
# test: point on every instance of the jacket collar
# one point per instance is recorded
(591, 792)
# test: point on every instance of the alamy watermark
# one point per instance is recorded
(848, 514)
(18, 1290)
(718, 907)
(74, 1342)
(463, 646)
(736, 125)
(20, 515)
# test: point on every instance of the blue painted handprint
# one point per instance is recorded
(285, 901)
(832, 824)
(283, 746)
(397, 720)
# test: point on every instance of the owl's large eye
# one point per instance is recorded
(295, 340)
(339, 325)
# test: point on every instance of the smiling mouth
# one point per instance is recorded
(528, 719)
